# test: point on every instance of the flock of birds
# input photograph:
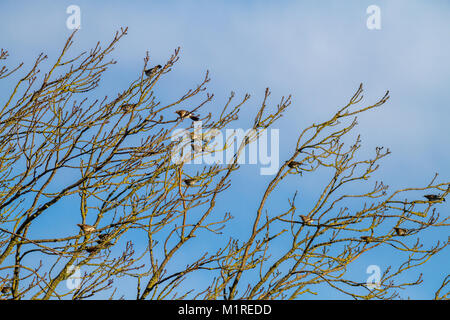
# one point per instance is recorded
(103, 238)
(398, 231)
(184, 114)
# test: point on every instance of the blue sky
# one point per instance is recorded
(318, 51)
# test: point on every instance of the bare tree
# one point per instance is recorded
(113, 156)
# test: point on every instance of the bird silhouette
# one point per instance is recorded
(186, 114)
(189, 182)
(152, 71)
(434, 197)
(86, 228)
(400, 231)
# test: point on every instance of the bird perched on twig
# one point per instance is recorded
(92, 249)
(6, 289)
(198, 148)
(293, 164)
(189, 182)
(306, 219)
(103, 240)
(367, 238)
(434, 197)
(86, 228)
(104, 243)
(127, 107)
(103, 236)
(152, 71)
(400, 231)
(186, 114)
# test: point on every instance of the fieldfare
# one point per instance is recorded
(152, 71)
(86, 228)
(293, 164)
(367, 238)
(434, 197)
(306, 219)
(186, 114)
(189, 182)
(400, 231)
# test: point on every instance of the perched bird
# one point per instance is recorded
(196, 136)
(127, 107)
(104, 243)
(189, 182)
(103, 240)
(6, 289)
(92, 249)
(86, 228)
(293, 164)
(400, 231)
(103, 236)
(152, 71)
(186, 114)
(197, 148)
(367, 238)
(306, 219)
(434, 197)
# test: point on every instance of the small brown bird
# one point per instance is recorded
(189, 182)
(197, 148)
(103, 236)
(92, 249)
(6, 289)
(186, 114)
(306, 219)
(103, 240)
(127, 107)
(152, 71)
(434, 197)
(367, 238)
(86, 228)
(400, 231)
(104, 243)
(293, 164)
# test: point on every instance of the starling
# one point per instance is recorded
(86, 228)
(186, 114)
(6, 289)
(189, 182)
(434, 197)
(400, 231)
(367, 238)
(306, 219)
(293, 164)
(152, 71)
